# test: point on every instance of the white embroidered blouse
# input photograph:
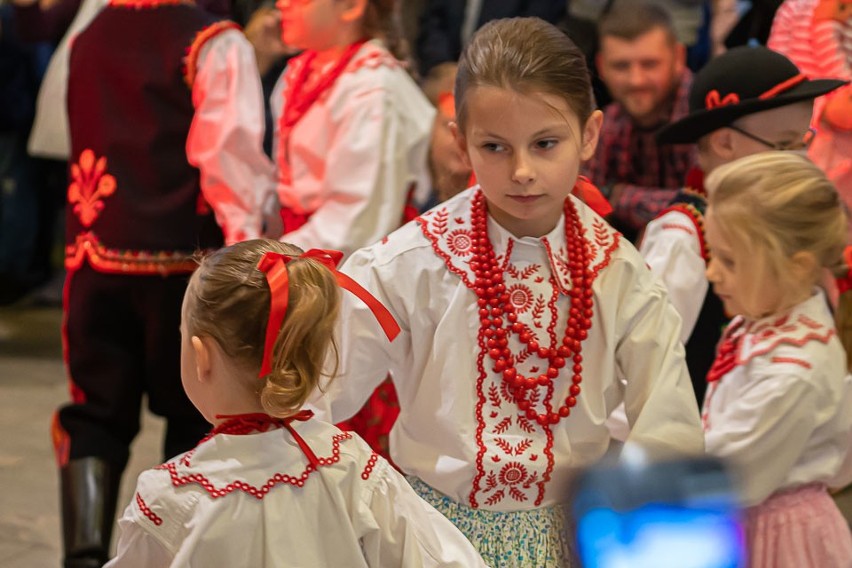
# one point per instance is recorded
(783, 414)
(459, 429)
(253, 500)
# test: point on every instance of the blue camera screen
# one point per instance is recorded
(660, 536)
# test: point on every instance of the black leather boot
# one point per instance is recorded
(89, 489)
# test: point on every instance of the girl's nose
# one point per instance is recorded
(523, 170)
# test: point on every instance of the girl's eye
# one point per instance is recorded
(546, 144)
(493, 147)
(726, 262)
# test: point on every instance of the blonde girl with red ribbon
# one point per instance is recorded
(779, 399)
(525, 318)
(270, 485)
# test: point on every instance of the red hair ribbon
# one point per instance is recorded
(715, 100)
(844, 283)
(274, 265)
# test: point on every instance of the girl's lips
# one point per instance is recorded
(525, 198)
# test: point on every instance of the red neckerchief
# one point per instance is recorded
(241, 424)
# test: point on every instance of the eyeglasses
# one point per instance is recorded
(802, 144)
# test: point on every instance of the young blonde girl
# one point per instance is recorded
(779, 400)
(270, 485)
(525, 318)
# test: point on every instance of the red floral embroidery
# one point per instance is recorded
(521, 297)
(87, 247)
(147, 511)
(513, 473)
(90, 183)
(460, 242)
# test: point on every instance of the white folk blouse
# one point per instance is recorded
(459, 430)
(252, 500)
(356, 155)
(783, 414)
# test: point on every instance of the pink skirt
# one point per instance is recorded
(798, 528)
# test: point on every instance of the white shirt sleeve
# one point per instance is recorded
(672, 250)
(225, 139)
(137, 548)
(763, 431)
(658, 395)
(366, 177)
(410, 532)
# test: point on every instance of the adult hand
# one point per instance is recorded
(263, 31)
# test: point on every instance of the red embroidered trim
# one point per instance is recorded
(440, 223)
(90, 183)
(179, 480)
(88, 247)
(674, 226)
(792, 360)
(147, 511)
(369, 467)
(697, 219)
(602, 235)
(374, 60)
(147, 3)
(795, 342)
(480, 403)
(190, 60)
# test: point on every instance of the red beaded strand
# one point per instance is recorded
(498, 318)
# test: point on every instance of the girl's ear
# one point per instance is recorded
(203, 357)
(461, 142)
(354, 10)
(591, 133)
(803, 266)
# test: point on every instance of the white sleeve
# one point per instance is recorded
(763, 431)
(658, 396)
(672, 250)
(367, 173)
(225, 139)
(408, 531)
(137, 548)
(365, 354)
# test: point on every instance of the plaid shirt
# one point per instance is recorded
(653, 174)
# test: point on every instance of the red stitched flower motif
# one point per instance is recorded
(90, 183)
(520, 297)
(513, 473)
(460, 242)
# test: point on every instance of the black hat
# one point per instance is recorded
(742, 81)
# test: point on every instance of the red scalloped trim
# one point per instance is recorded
(480, 422)
(792, 360)
(371, 463)
(87, 247)
(190, 65)
(374, 60)
(257, 492)
(795, 342)
(147, 511)
(697, 220)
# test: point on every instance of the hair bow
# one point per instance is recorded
(274, 265)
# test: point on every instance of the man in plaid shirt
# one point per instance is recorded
(644, 68)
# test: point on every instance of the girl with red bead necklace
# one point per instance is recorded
(271, 485)
(779, 395)
(526, 320)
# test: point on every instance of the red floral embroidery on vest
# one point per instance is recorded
(89, 185)
(87, 248)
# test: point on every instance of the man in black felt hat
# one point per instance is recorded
(748, 100)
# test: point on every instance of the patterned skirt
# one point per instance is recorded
(538, 538)
(799, 528)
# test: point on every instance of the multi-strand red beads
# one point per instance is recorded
(498, 318)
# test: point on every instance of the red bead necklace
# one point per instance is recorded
(498, 318)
